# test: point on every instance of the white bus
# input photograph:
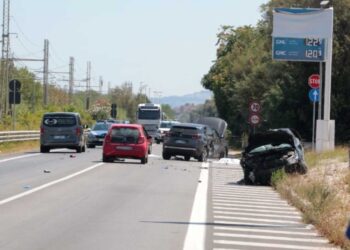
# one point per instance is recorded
(149, 115)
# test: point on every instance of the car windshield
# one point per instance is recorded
(125, 135)
(165, 125)
(101, 126)
(59, 121)
(149, 114)
(269, 147)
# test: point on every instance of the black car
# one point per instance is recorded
(187, 140)
(218, 146)
(270, 151)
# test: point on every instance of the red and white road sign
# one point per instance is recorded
(254, 107)
(314, 81)
(254, 119)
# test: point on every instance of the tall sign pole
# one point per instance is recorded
(311, 42)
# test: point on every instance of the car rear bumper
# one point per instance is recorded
(174, 150)
(136, 152)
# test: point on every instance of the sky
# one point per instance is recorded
(165, 45)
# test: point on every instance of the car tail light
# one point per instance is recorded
(108, 138)
(42, 130)
(78, 131)
(141, 140)
(196, 136)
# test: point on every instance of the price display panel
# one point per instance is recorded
(298, 49)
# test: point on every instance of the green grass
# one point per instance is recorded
(313, 159)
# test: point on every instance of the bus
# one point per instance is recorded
(149, 115)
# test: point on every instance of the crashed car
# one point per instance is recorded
(218, 146)
(270, 151)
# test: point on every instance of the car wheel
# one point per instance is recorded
(107, 159)
(157, 141)
(203, 156)
(150, 149)
(84, 149)
(166, 156)
(187, 157)
(90, 145)
(79, 149)
(247, 180)
(44, 149)
(144, 160)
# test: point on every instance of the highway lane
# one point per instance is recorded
(114, 206)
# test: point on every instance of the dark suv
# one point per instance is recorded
(61, 130)
(187, 140)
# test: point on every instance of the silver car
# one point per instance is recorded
(61, 130)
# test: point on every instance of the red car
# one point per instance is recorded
(126, 141)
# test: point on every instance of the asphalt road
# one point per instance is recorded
(64, 200)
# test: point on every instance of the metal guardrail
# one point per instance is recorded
(15, 136)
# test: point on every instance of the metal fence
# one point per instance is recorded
(16, 136)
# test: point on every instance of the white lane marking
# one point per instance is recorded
(238, 195)
(268, 211)
(256, 219)
(246, 188)
(249, 198)
(250, 202)
(254, 214)
(232, 204)
(253, 224)
(195, 237)
(264, 237)
(276, 232)
(19, 157)
(154, 156)
(15, 197)
(268, 245)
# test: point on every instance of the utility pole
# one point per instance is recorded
(88, 84)
(100, 85)
(46, 72)
(5, 56)
(71, 79)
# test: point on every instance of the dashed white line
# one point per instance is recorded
(255, 219)
(304, 232)
(250, 202)
(253, 223)
(248, 198)
(19, 157)
(232, 204)
(265, 237)
(15, 197)
(253, 214)
(268, 245)
(230, 208)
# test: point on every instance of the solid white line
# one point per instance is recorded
(254, 214)
(255, 230)
(245, 188)
(284, 209)
(268, 211)
(250, 202)
(195, 237)
(268, 245)
(264, 237)
(19, 157)
(15, 197)
(255, 219)
(248, 198)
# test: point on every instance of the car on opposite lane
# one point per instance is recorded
(129, 141)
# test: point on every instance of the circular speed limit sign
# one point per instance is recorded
(254, 119)
(254, 107)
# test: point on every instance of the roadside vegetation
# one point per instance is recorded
(323, 194)
(17, 147)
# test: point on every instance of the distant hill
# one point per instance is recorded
(194, 98)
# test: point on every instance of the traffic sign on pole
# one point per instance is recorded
(314, 81)
(314, 95)
(254, 119)
(254, 107)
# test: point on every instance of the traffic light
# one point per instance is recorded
(114, 110)
(14, 92)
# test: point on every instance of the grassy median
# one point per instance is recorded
(323, 194)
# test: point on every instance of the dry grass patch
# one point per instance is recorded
(13, 147)
(322, 194)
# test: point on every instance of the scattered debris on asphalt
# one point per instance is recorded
(47, 171)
